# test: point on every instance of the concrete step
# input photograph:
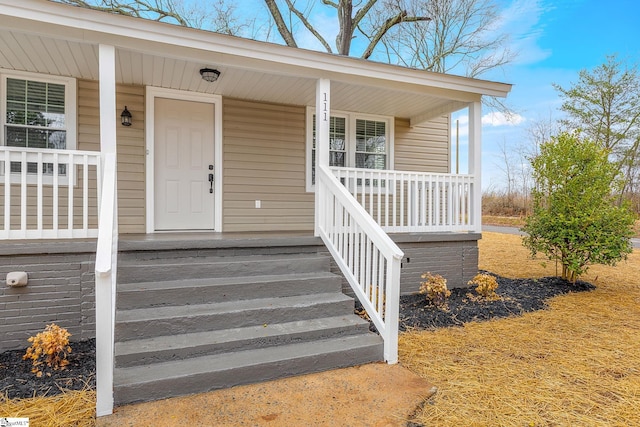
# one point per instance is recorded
(173, 320)
(221, 289)
(200, 374)
(177, 347)
(162, 269)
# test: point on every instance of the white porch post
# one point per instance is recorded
(323, 114)
(475, 163)
(105, 295)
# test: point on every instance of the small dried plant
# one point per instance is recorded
(486, 286)
(435, 288)
(49, 348)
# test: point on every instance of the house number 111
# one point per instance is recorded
(325, 105)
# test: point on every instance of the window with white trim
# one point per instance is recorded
(37, 112)
(355, 140)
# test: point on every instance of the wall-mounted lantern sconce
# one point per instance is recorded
(209, 74)
(125, 117)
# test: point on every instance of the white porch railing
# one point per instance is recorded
(366, 255)
(404, 202)
(48, 194)
(106, 269)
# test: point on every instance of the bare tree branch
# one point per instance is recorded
(388, 24)
(284, 31)
(158, 10)
(308, 25)
(364, 10)
(460, 38)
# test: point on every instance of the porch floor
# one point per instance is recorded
(198, 239)
(164, 240)
(212, 240)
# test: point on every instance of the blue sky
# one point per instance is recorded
(555, 40)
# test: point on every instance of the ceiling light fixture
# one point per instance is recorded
(209, 74)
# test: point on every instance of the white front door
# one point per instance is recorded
(184, 160)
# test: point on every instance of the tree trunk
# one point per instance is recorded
(343, 39)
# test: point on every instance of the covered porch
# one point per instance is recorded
(334, 149)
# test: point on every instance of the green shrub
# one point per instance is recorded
(576, 219)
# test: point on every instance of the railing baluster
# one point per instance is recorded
(378, 216)
(71, 176)
(402, 197)
(371, 193)
(465, 201)
(56, 201)
(85, 193)
(386, 199)
(424, 204)
(449, 185)
(367, 271)
(380, 282)
(23, 194)
(415, 203)
(366, 255)
(7, 193)
(39, 197)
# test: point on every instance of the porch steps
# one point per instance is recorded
(172, 320)
(190, 321)
(201, 374)
(175, 347)
(153, 270)
(221, 289)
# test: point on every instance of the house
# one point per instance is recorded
(168, 190)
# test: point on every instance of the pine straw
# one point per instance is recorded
(72, 408)
(576, 363)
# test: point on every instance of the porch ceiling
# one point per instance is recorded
(168, 56)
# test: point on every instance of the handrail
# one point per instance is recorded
(106, 270)
(406, 201)
(366, 255)
(52, 191)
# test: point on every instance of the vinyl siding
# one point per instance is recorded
(130, 148)
(264, 159)
(424, 148)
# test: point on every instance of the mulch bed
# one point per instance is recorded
(518, 296)
(17, 380)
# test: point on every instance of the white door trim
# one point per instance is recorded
(155, 92)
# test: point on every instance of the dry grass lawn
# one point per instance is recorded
(575, 364)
